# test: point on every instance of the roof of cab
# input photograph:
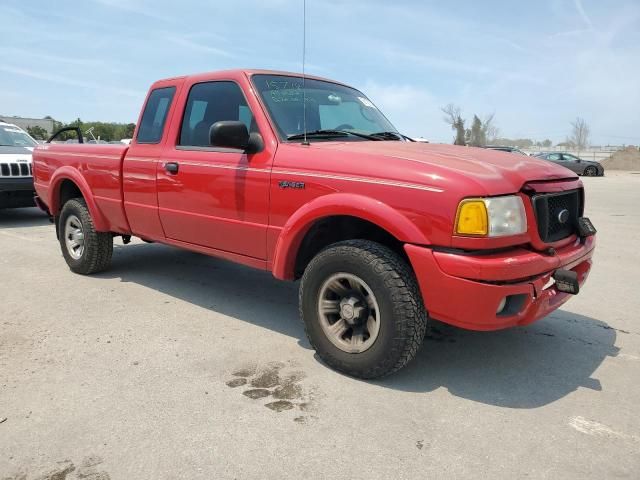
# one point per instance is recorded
(249, 72)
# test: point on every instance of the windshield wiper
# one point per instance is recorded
(331, 133)
(388, 136)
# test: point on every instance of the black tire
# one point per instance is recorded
(590, 171)
(403, 318)
(98, 246)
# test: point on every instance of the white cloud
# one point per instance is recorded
(583, 15)
(14, 53)
(137, 7)
(414, 111)
(436, 63)
(189, 43)
(67, 81)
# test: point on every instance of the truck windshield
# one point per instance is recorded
(332, 110)
(11, 136)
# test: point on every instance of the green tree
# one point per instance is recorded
(38, 132)
(130, 127)
(477, 135)
(515, 142)
(104, 131)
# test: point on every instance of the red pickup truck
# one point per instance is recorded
(305, 177)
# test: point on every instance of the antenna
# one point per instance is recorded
(304, 52)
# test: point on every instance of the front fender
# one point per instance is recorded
(339, 204)
(69, 173)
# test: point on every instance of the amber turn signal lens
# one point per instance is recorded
(472, 218)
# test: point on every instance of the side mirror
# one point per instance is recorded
(234, 134)
(229, 134)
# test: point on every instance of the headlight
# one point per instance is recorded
(491, 217)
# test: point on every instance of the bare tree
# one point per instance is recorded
(453, 117)
(580, 133)
(489, 129)
(451, 113)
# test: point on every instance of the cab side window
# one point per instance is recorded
(155, 115)
(209, 103)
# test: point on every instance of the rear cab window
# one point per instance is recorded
(154, 116)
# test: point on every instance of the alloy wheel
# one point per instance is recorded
(74, 237)
(349, 312)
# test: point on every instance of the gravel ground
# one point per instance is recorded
(174, 365)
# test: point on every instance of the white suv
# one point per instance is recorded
(16, 170)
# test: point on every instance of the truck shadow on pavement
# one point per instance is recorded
(525, 367)
(244, 293)
(22, 218)
(521, 367)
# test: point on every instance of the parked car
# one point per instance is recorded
(505, 149)
(587, 168)
(383, 233)
(16, 180)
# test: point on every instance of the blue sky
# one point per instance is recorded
(536, 64)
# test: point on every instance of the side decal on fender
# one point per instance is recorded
(288, 184)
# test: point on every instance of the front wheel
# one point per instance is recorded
(590, 171)
(362, 309)
(84, 249)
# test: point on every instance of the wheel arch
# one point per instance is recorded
(66, 181)
(361, 214)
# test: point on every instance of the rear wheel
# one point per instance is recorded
(362, 309)
(590, 171)
(84, 249)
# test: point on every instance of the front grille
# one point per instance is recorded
(549, 210)
(16, 170)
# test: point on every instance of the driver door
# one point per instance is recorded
(214, 197)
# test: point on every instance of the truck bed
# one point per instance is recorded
(95, 167)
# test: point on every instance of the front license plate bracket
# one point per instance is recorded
(567, 281)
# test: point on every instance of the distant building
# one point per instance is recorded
(25, 123)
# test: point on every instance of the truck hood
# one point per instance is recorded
(444, 166)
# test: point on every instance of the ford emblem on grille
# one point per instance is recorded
(563, 216)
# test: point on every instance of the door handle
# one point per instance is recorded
(171, 167)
